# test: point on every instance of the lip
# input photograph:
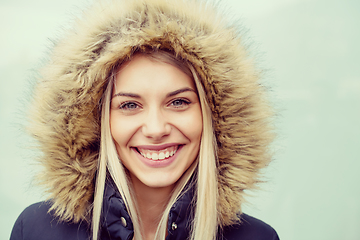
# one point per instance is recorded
(158, 147)
(157, 163)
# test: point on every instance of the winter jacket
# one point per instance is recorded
(36, 223)
(65, 118)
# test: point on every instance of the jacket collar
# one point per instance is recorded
(116, 222)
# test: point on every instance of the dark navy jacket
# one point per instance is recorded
(35, 223)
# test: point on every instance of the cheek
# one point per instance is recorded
(191, 125)
(194, 131)
(197, 122)
(120, 130)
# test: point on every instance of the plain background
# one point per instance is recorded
(310, 54)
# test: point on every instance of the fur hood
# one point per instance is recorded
(65, 120)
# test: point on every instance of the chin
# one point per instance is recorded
(159, 181)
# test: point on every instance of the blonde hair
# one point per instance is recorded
(205, 222)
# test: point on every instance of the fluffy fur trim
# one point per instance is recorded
(65, 118)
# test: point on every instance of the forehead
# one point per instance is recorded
(144, 73)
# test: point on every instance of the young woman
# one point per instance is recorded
(152, 124)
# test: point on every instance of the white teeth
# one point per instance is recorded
(158, 155)
(154, 156)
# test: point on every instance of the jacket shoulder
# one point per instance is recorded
(249, 228)
(37, 223)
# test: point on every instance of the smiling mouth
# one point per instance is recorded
(158, 154)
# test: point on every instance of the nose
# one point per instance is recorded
(156, 125)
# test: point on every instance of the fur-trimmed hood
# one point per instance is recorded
(65, 120)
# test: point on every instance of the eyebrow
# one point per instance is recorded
(133, 95)
(176, 92)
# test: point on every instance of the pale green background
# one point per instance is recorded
(311, 53)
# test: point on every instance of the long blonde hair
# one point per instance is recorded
(205, 222)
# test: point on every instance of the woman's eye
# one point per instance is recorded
(128, 106)
(178, 103)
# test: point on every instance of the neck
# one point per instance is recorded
(151, 203)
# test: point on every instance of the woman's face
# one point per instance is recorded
(155, 121)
